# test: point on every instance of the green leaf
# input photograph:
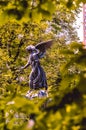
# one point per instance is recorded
(36, 16)
(49, 6)
(20, 102)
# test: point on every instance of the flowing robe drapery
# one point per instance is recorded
(37, 78)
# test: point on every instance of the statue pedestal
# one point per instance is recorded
(36, 94)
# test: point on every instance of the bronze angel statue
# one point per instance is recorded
(37, 78)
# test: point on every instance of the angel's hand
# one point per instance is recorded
(22, 68)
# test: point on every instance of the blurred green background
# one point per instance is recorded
(23, 23)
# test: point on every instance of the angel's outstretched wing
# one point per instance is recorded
(43, 46)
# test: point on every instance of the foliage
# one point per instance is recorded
(64, 64)
(33, 10)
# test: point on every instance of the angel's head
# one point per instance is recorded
(30, 48)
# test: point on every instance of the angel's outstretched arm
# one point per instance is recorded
(24, 67)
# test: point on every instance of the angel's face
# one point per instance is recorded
(29, 51)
